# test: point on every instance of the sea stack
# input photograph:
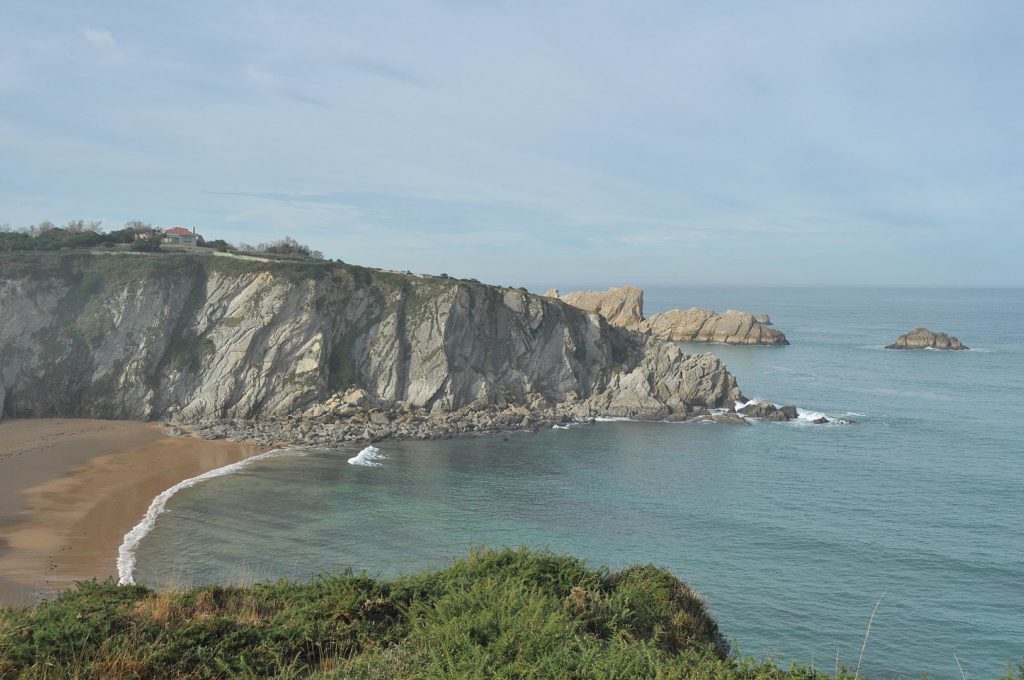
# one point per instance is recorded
(922, 338)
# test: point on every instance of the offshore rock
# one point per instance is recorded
(624, 307)
(922, 338)
(705, 325)
(766, 410)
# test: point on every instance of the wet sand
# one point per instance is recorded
(70, 489)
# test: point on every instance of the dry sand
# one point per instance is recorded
(70, 489)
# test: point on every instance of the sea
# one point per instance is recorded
(911, 508)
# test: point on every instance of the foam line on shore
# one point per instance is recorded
(132, 539)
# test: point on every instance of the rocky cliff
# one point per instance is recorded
(624, 307)
(922, 338)
(199, 338)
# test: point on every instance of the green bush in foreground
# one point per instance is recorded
(496, 614)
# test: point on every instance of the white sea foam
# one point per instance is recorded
(131, 540)
(561, 427)
(803, 416)
(807, 417)
(368, 457)
(610, 419)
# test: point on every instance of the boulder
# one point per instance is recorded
(355, 397)
(766, 410)
(922, 338)
(730, 418)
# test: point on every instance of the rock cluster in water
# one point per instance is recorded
(624, 307)
(922, 338)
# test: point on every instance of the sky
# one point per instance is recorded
(537, 143)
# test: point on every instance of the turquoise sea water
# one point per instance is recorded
(791, 532)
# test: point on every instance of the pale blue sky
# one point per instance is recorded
(523, 143)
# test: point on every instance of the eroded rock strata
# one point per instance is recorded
(922, 338)
(624, 307)
(261, 349)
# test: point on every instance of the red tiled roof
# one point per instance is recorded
(178, 231)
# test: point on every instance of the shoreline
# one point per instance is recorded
(356, 419)
(71, 489)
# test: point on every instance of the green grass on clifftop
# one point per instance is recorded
(496, 614)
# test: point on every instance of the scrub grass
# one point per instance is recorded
(511, 613)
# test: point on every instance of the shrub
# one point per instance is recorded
(498, 613)
(149, 244)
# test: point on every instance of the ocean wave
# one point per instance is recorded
(368, 457)
(803, 416)
(611, 419)
(808, 417)
(132, 539)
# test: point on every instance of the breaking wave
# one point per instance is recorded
(368, 457)
(132, 539)
(803, 416)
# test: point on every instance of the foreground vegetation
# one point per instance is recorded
(501, 614)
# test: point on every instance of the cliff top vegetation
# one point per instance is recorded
(138, 236)
(506, 613)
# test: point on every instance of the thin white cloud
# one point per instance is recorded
(260, 77)
(99, 37)
(271, 82)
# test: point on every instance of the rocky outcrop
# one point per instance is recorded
(922, 338)
(705, 325)
(766, 410)
(666, 383)
(624, 307)
(202, 339)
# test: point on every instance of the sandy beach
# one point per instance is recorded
(70, 489)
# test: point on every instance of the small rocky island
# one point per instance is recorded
(922, 338)
(624, 307)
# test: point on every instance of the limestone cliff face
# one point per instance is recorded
(624, 307)
(147, 337)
